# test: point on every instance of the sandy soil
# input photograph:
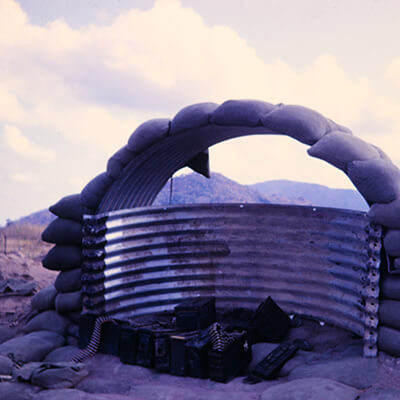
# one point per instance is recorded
(16, 266)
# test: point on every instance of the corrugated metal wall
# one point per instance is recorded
(318, 262)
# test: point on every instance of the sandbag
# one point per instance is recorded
(73, 330)
(69, 281)
(6, 333)
(48, 321)
(377, 180)
(241, 112)
(33, 346)
(65, 353)
(51, 375)
(44, 300)
(6, 366)
(340, 148)
(95, 190)
(391, 242)
(147, 134)
(67, 302)
(69, 207)
(386, 214)
(74, 316)
(63, 231)
(118, 161)
(305, 125)
(193, 116)
(389, 313)
(389, 340)
(382, 154)
(390, 287)
(62, 258)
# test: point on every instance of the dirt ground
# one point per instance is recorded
(15, 265)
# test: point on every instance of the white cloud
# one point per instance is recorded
(21, 177)
(94, 84)
(393, 72)
(21, 145)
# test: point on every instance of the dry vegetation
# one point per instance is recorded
(23, 239)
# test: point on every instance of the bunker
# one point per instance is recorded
(334, 265)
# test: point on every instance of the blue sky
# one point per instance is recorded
(77, 77)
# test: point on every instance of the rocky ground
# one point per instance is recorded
(16, 266)
(334, 369)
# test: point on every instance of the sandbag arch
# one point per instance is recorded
(158, 148)
(196, 128)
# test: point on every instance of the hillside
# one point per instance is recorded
(319, 195)
(43, 217)
(195, 188)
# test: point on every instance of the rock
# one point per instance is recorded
(381, 394)
(44, 300)
(64, 353)
(33, 346)
(6, 366)
(310, 389)
(17, 391)
(354, 371)
(69, 281)
(48, 321)
(6, 333)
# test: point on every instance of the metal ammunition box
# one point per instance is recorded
(195, 313)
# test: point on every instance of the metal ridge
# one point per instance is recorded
(320, 262)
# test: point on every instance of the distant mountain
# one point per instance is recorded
(194, 188)
(318, 195)
(43, 217)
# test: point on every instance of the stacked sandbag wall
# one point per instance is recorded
(65, 232)
(203, 125)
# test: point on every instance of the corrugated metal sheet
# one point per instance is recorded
(319, 262)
